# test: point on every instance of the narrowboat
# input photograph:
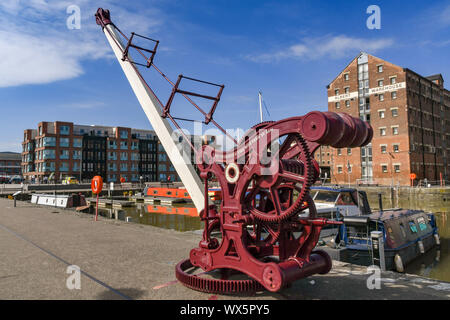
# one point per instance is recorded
(336, 203)
(407, 234)
(179, 193)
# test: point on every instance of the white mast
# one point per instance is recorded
(260, 105)
(151, 106)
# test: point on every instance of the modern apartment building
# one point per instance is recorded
(410, 117)
(61, 149)
(10, 164)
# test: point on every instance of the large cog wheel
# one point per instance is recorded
(296, 173)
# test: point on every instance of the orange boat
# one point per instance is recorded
(180, 193)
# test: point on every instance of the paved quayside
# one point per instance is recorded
(122, 260)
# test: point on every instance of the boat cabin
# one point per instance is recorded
(406, 233)
(335, 203)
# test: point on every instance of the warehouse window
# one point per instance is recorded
(394, 112)
(394, 95)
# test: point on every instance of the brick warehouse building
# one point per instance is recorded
(410, 118)
(61, 149)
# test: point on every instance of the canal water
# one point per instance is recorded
(179, 217)
(434, 264)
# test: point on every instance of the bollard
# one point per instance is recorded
(378, 249)
(15, 197)
(380, 201)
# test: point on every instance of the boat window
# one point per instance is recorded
(326, 196)
(168, 193)
(357, 235)
(402, 228)
(155, 191)
(391, 233)
(412, 226)
(422, 223)
(345, 199)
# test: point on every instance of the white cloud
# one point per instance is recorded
(329, 46)
(27, 59)
(37, 48)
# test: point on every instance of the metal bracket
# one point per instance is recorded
(131, 45)
(216, 99)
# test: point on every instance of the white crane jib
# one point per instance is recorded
(152, 108)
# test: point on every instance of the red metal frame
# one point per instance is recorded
(149, 60)
(175, 90)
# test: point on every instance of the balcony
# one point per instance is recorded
(49, 142)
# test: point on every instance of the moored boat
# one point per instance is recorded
(179, 193)
(336, 203)
(407, 235)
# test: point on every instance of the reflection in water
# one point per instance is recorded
(435, 264)
(182, 217)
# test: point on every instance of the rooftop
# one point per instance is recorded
(10, 155)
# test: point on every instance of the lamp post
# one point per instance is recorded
(81, 165)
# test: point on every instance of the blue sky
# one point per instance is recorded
(288, 49)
